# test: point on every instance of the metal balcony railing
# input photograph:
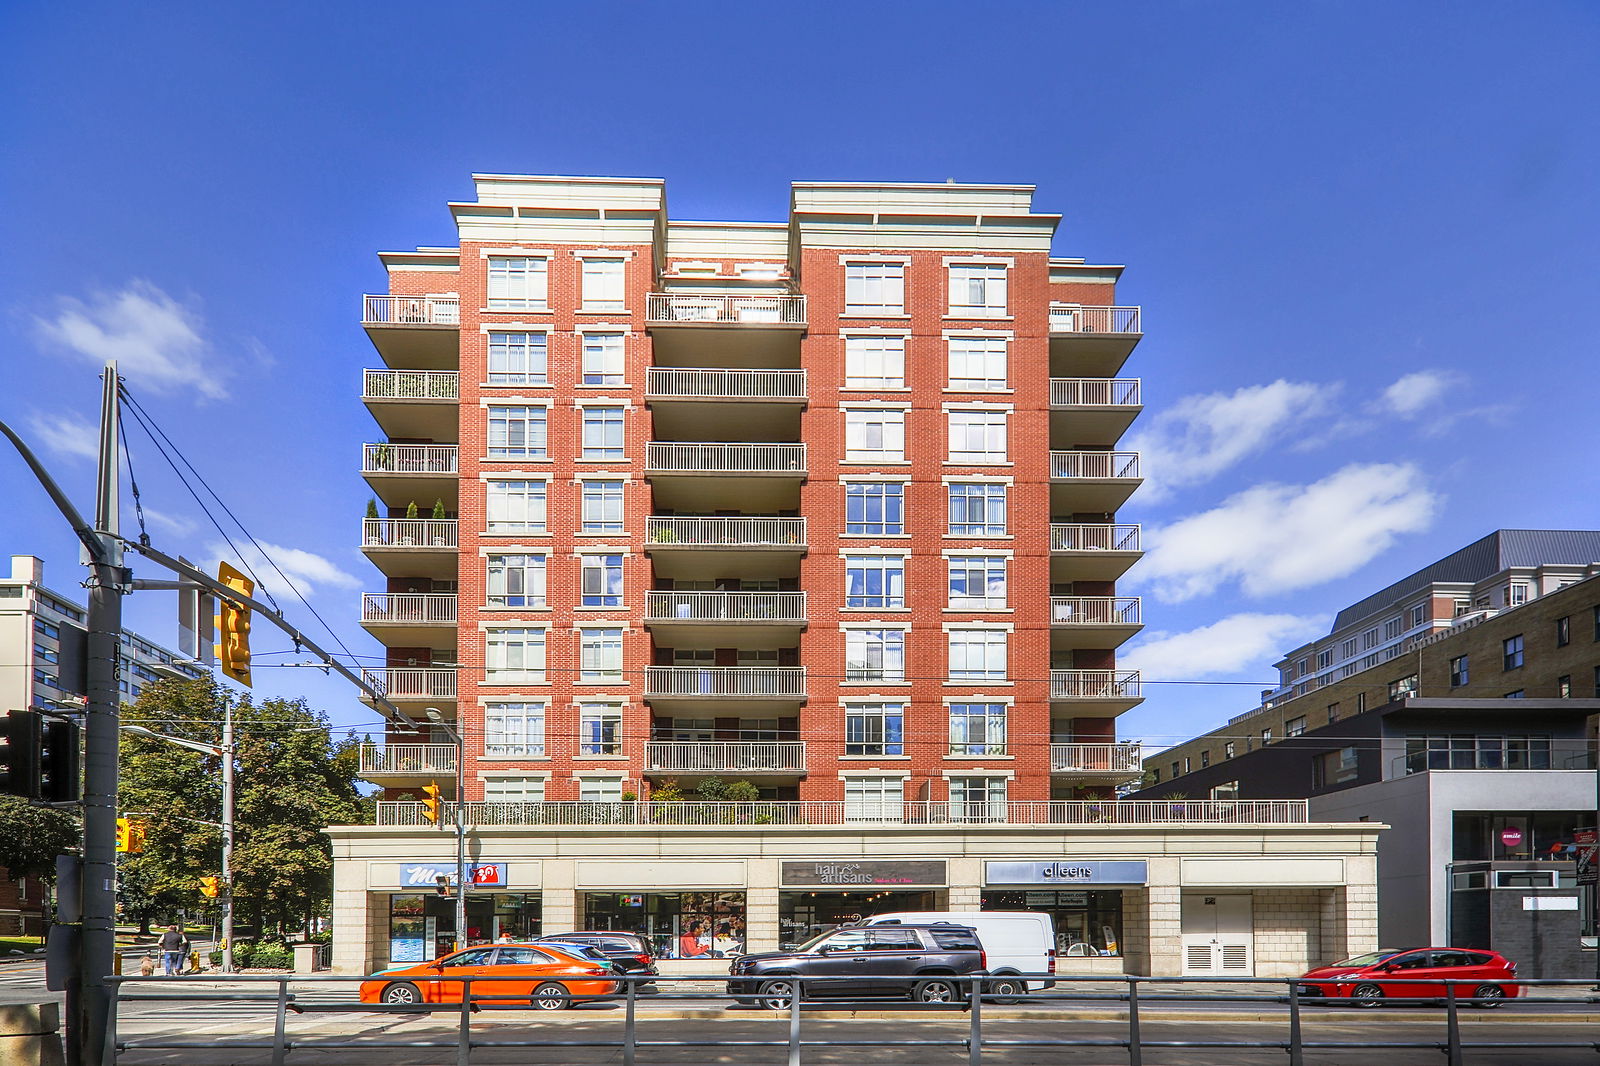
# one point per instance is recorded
(675, 308)
(413, 682)
(1094, 685)
(408, 533)
(662, 458)
(1111, 758)
(411, 385)
(408, 759)
(725, 607)
(731, 532)
(725, 756)
(409, 608)
(408, 458)
(1094, 464)
(382, 310)
(1080, 318)
(1094, 611)
(1094, 392)
(1071, 537)
(746, 682)
(713, 384)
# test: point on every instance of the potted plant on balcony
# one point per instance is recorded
(663, 535)
(437, 531)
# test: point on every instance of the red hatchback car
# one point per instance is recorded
(1415, 973)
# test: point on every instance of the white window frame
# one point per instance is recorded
(503, 645)
(874, 361)
(500, 516)
(874, 798)
(506, 422)
(989, 565)
(977, 364)
(529, 348)
(533, 571)
(601, 714)
(526, 742)
(604, 358)
(604, 283)
(513, 788)
(978, 656)
(990, 488)
(596, 416)
(989, 805)
(595, 568)
(874, 288)
(893, 595)
(594, 642)
(517, 283)
(978, 290)
(876, 654)
(879, 490)
(879, 713)
(875, 434)
(983, 427)
(608, 496)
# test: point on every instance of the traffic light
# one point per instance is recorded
(233, 626)
(441, 885)
(21, 772)
(210, 886)
(130, 836)
(430, 802)
(62, 782)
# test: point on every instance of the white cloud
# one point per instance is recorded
(1415, 392)
(1278, 538)
(1224, 647)
(178, 525)
(1201, 436)
(157, 342)
(307, 570)
(67, 433)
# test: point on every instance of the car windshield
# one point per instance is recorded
(1369, 959)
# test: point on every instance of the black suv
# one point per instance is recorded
(629, 952)
(919, 961)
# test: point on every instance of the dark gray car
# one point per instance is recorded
(919, 961)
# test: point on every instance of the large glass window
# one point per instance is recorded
(517, 283)
(678, 925)
(514, 657)
(874, 288)
(978, 583)
(978, 654)
(515, 506)
(875, 581)
(603, 284)
(1471, 751)
(874, 729)
(603, 359)
(1482, 835)
(874, 799)
(1088, 923)
(603, 433)
(600, 656)
(875, 362)
(512, 730)
(977, 436)
(600, 729)
(518, 433)
(803, 915)
(977, 729)
(601, 581)
(518, 359)
(602, 507)
(978, 364)
(977, 510)
(874, 507)
(873, 434)
(875, 655)
(978, 799)
(518, 788)
(516, 581)
(977, 290)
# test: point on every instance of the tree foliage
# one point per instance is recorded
(31, 838)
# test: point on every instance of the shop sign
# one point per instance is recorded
(1067, 872)
(929, 872)
(427, 874)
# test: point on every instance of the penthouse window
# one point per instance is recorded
(874, 288)
(603, 285)
(518, 283)
(977, 290)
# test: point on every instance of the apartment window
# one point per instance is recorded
(874, 729)
(1347, 649)
(874, 288)
(1511, 652)
(600, 656)
(518, 359)
(600, 729)
(1303, 667)
(871, 434)
(873, 799)
(1333, 713)
(515, 506)
(875, 581)
(516, 581)
(1563, 631)
(599, 789)
(1205, 758)
(601, 581)
(1369, 639)
(514, 657)
(603, 359)
(1467, 751)
(1459, 673)
(1406, 686)
(48, 655)
(1597, 623)
(1517, 595)
(1175, 770)
(978, 583)
(1228, 790)
(601, 507)
(875, 655)
(1334, 768)
(977, 510)
(1564, 687)
(602, 433)
(1419, 615)
(1516, 694)
(517, 283)
(978, 799)
(977, 729)
(1361, 703)
(518, 433)
(1266, 736)
(978, 655)
(977, 290)
(1228, 749)
(511, 730)
(602, 284)
(47, 629)
(978, 436)
(875, 362)
(517, 789)
(1294, 726)
(1155, 775)
(1324, 658)
(874, 507)
(977, 364)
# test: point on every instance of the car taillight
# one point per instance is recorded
(983, 960)
(1050, 960)
(645, 959)
(596, 972)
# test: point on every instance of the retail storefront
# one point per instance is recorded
(1083, 897)
(422, 924)
(679, 925)
(816, 896)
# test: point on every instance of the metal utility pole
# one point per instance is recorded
(227, 833)
(437, 717)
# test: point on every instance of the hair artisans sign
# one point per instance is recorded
(852, 874)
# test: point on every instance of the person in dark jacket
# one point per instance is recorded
(174, 946)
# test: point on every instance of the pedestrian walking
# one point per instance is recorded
(174, 946)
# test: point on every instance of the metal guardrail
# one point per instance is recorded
(408, 532)
(408, 458)
(784, 607)
(1099, 537)
(411, 385)
(750, 531)
(717, 458)
(1095, 465)
(409, 608)
(386, 310)
(1087, 318)
(1094, 392)
(1090, 758)
(675, 308)
(1095, 684)
(412, 682)
(710, 383)
(408, 759)
(1094, 610)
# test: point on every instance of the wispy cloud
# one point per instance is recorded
(309, 572)
(1414, 393)
(177, 525)
(1223, 648)
(1279, 538)
(67, 433)
(155, 340)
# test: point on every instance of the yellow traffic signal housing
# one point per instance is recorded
(130, 836)
(210, 886)
(430, 802)
(233, 626)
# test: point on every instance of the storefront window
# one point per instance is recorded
(802, 915)
(422, 926)
(679, 925)
(1087, 922)
(1515, 835)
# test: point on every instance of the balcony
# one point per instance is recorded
(725, 757)
(768, 310)
(740, 460)
(1092, 410)
(398, 764)
(413, 403)
(710, 549)
(1112, 690)
(1092, 480)
(426, 619)
(751, 684)
(1090, 340)
(1094, 621)
(413, 684)
(1105, 763)
(411, 547)
(722, 618)
(1096, 552)
(687, 402)
(691, 383)
(414, 331)
(411, 473)
(726, 476)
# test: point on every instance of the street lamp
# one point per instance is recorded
(436, 716)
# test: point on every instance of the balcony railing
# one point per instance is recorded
(411, 310)
(725, 459)
(674, 308)
(408, 759)
(1111, 758)
(409, 608)
(413, 682)
(1094, 685)
(747, 682)
(408, 458)
(1071, 537)
(411, 385)
(1094, 392)
(1078, 318)
(725, 756)
(1094, 611)
(725, 607)
(1094, 464)
(408, 532)
(731, 532)
(1109, 813)
(713, 384)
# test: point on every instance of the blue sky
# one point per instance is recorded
(1362, 234)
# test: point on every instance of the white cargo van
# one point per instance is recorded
(1015, 942)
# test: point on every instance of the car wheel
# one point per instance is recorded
(1489, 996)
(937, 991)
(1007, 989)
(551, 996)
(776, 995)
(1366, 995)
(403, 994)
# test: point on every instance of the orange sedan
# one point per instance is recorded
(542, 976)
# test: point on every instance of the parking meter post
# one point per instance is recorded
(1135, 1054)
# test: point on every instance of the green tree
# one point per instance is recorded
(31, 838)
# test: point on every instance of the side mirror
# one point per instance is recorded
(437, 966)
(1388, 967)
